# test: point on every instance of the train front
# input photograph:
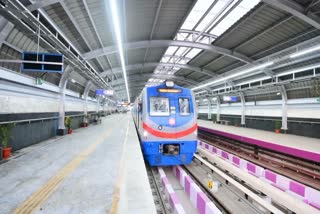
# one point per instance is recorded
(169, 126)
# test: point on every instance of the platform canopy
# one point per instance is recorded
(206, 45)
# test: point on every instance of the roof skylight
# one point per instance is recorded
(210, 18)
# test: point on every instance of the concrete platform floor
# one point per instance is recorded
(72, 174)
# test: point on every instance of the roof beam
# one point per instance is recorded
(75, 24)
(143, 77)
(166, 43)
(296, 10)
(155, 64)
(5, 28)
(41, 4)
(194, 32)
(95, 28)
(155, 20)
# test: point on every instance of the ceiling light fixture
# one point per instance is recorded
(200, 92)
(257, 67)
(309, 50)
(116, 25)
(299, 70)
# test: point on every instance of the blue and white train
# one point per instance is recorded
(165, 117)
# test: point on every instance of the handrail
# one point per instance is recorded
(257, 118)
(40, 119)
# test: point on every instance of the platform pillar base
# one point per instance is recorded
(62, 132)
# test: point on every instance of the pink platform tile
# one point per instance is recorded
(214, 150)
(164, 181)
(202, 199)
(178, 173)
(187, 184)
(236, 160)
(271, 176)
(251, 167)
(194, 190)
(173, 199)
(297, 188)
(315, 205)
(225, 155)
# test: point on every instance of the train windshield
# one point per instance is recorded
(159, 106)
(184, 106)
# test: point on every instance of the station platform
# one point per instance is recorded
(298, 146)
(99, 169)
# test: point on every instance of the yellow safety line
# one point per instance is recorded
(37, 198)
(116, 194)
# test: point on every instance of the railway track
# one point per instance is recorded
(302, 171)
(161, 203)
(233, 195)
(220, 204)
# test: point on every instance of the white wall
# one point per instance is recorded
(298, 108)
(18, 98)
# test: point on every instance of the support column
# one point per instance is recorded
(284, 109)
(243, 109)
(87, 88)
(62, 85)
(98, 103)
(85, 96)
(209, 109)
(218, 109)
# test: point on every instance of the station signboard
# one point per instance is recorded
(230, 98)
(42, 62)
(104, 92)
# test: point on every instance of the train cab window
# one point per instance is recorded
(159, 106)
(184, 106)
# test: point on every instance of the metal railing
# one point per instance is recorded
(268, 119)
(41, 119)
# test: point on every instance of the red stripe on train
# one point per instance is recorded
(170, 135)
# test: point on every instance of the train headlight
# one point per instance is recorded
(172, 121)
(145, 134)
(169, 84)
(195, 133)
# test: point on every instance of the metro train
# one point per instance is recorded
(165, 118)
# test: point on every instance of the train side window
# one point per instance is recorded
(184, 106)
(140, 107)
(159, 106)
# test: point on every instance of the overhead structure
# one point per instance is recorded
(213, 46)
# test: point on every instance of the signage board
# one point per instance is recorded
(230, 98)
(42, 62)
(104, 92)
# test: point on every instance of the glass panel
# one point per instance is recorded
(198, 10)
(184, 106)
(159, 106)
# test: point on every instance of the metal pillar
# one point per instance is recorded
(243, 109)
(62, 85)
(218, 109)
(87, 88)
(284, 108)
(98, 104)
(209, 109)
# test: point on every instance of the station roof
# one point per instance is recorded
(206, 45)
